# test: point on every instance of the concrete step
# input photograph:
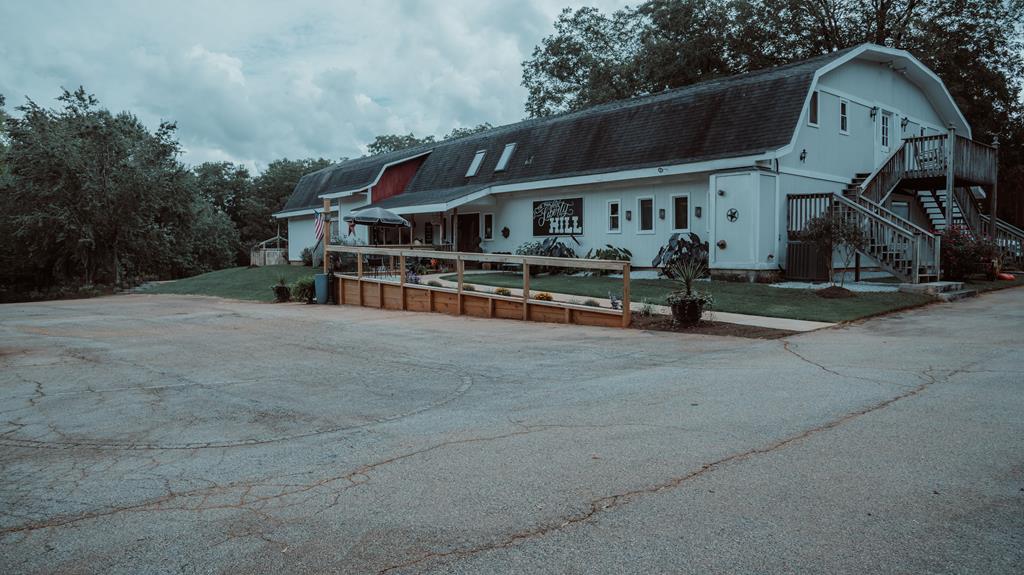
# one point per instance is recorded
(955, 295)
(933, 288)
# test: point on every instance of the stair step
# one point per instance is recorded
(955, 295)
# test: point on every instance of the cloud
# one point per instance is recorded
(253, 82)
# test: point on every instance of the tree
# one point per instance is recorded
(834, 232)
(92, 196)
(394, 142)
(461, 132)
(268, 192)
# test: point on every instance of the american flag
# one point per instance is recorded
(319, 226)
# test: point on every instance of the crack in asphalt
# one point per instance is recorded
(609, 502)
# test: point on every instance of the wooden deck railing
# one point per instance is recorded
(394, 291)
(926, 157)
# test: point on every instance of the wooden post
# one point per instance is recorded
(950, 147)
(626, 315)
(526, 291)
(359, 277)
(401, 280)
(460, 266)
(327, 231)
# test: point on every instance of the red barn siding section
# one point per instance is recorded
(395, 178)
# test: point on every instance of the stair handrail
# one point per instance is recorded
(892, 169)
(894, 216)
(912, 248)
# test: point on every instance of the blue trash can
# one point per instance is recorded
(320, 283)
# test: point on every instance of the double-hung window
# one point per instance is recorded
(488, 226)
(614, 217)
(844, 117)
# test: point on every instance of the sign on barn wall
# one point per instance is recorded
(558, 217)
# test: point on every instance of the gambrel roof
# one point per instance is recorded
(744, 115)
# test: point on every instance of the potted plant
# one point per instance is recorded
(688, 305)
(282, 292)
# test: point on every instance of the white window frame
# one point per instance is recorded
(505, 158)
(474, 164)
(607, 216)
(483, 226)
(815, 105)
(640, 218)
(844, 116)
(689, 211)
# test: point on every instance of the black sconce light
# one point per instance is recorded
(696, 212)
(874, 112)
(505, 232)
(629, 215)
(661, 213)
(904, 122)
(803, 155)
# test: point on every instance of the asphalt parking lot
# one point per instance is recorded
(174, 434)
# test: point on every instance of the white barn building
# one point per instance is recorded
(732, 160)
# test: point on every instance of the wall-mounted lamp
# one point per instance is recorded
(505, 232)
(696, 212)
(904, 122)
(629, 215)
(803, 155)
(661, 213)
(874, 112)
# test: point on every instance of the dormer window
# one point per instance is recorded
(506, 155)
(474, 166)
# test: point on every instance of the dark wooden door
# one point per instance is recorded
(469, 233)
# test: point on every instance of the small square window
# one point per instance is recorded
(681, 213)
(812, 112)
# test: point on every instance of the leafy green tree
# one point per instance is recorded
(269, 191)
(93, 197)
(394, 142)
(461, 132)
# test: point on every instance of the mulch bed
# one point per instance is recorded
(665, 323)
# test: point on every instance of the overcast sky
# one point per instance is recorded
(254, 81)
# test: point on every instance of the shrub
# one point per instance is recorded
(832, 231)
(307, 257)
(646, 309)
(551, 248)
(503, 291)
(411, 277)
(688, 250)
(304, 289)
(591, 303)
(609, 252)
(964, 254)
(543, 296)
(468, 287)
(435, 283)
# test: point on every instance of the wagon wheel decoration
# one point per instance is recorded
(732, 215)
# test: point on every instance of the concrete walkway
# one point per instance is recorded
(720, 316)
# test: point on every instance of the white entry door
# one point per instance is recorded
(887, 137)
(735, 221)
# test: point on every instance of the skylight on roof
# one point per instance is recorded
(474, 166)
(506, 155)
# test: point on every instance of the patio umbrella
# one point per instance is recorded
(378, 217)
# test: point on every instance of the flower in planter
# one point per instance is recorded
(543, 296)
(503, 291)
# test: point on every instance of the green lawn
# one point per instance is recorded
(235, 283)
(755, 299)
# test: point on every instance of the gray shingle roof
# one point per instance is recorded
(736, 116)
